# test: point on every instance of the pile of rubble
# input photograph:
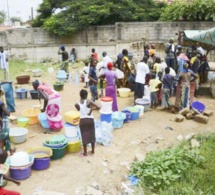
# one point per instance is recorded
(193, 114)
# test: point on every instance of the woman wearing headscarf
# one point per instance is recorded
(51, 104)
(110, 90)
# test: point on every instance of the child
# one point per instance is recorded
(3, 191)
(86, 73)
(167, 89)
(4, 126)
(87, 126)
(155, 85)
(93, 81)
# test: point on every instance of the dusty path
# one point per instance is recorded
(108, 167)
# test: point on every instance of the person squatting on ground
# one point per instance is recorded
(87, 126)
(4, 126)
(141, 70)
(110, 89)
(4, 63)
(93, 81)
(64, 57)
(3, 191)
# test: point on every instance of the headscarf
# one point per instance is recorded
(110, 65)
(36, 83)
(182, 56)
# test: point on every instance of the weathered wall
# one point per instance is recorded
(36, 43)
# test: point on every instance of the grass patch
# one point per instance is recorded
(21, 67)
(181, 170)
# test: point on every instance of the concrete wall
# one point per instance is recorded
(36, 44)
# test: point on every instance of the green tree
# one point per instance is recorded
(2, 17)
(15, 19)
(197, 10)
(76, 15)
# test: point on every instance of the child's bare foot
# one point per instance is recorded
(12, 151)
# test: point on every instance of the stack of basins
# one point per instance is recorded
(72, 131)
(58, 144)
(106, 109)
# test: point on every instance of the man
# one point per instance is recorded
(142, 70)
(4, 63)
(106, 60)
(170, 54)
(65, 56)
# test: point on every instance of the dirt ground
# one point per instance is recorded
(109, 166)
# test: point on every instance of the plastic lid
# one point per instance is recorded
(106, 99)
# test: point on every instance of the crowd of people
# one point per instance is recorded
(179, 74)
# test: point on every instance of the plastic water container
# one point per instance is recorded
(21, 93)
(61, 75)
(43, 120)
(134, 112)
(147, 91)
(77, 79)
(141, 108)
(118, 119)
(70, 78)
(71, 131)
(106, 105)
(106, 117)
(23, 122)
(128, 116)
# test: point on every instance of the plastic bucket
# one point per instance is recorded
(23, 122)
(55, 125)
(106, 117)
(20, 173)
(58, 152)
(128, 116)
(41, 163)
(73, 146)
(134, 112)
(43, 120)
(118, 119)
(141, 108)
(106, 105)
(34, 94)
(71, 131)
(21, 93)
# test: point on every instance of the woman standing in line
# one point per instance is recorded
(110, 89)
